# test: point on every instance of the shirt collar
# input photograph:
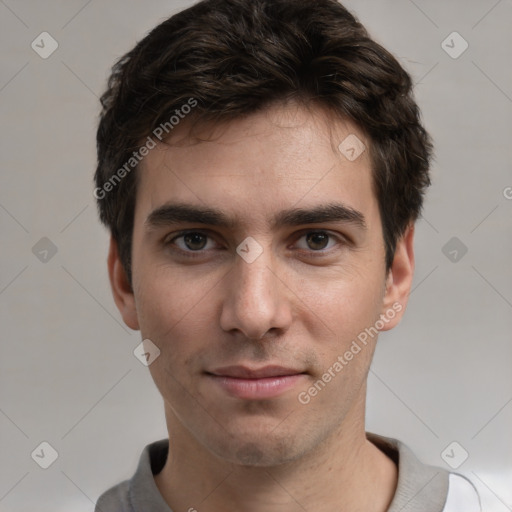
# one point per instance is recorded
(420, 487)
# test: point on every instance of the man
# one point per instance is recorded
(261, 165)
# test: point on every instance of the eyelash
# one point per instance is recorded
(169, 242)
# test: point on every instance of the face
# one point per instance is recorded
(258, 263)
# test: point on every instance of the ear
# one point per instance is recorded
(399, 280)
(121, 288)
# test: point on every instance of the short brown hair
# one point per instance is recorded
(236, 57)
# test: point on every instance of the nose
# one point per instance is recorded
(257, 300)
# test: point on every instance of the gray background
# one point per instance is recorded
(68, 373)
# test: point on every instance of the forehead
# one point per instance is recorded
(285, 156)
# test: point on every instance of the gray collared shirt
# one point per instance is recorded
(420, 488)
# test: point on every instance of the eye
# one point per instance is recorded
(192, 241)
(318, 241)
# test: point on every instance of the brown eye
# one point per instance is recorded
(195, 241)
(192, 241)
(317, 240)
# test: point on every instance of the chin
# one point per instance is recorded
(261, 449)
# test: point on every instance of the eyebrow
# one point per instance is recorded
(172, 213)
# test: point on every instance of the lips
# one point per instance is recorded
(255, 383)
(242, 372)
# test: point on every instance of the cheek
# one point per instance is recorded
(347, 308)
(177, 315)
(173, 308)
(345, 301)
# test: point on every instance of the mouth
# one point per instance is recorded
(257, 383)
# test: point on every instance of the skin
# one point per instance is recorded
(297, 306)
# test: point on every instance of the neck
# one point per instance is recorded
(346, 472)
